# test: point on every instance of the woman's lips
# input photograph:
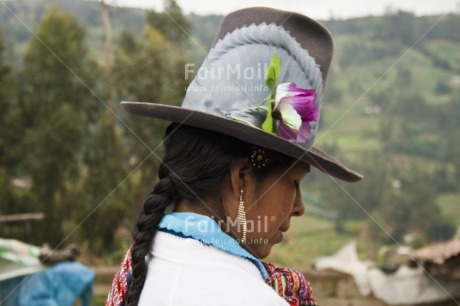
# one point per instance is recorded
(281, 236)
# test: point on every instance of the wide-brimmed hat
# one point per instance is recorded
(262, 83)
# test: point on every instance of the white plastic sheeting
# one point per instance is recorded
(17, 259)
(407, 286)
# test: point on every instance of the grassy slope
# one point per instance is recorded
(308, 238)
(450, 206)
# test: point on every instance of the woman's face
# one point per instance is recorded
(269, 206)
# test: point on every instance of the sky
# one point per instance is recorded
(320, 9)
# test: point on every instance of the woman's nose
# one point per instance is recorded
(299, 208)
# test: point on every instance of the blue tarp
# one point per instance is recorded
(59, 285)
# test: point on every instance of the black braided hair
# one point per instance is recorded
(161, 196)
(196, 164)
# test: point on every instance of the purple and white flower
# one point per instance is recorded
(295, 108)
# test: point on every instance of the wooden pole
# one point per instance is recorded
(22, 217)
(108, 55)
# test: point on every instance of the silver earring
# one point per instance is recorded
(242, 217)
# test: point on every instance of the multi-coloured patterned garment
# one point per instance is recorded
(290, 284)
(120, 283)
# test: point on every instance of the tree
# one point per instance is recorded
(10, 129)
(399, 27)
(171, 23)
(176, 28)
(367, 194)
(410, 206)
(152, 69)
(443, 86)
(455, 153)
(143, 74)
(102, 196)
(56, 109)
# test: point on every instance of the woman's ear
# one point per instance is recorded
(240, 173)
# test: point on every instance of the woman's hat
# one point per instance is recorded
(262, 83)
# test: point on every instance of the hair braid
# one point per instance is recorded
(163, 194)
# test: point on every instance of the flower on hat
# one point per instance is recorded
(296, 108)
(290, 109)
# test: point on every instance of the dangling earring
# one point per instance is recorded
(242, 217)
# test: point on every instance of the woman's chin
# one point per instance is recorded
(262, 250)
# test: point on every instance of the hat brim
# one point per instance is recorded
(247, 133)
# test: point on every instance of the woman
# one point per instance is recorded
(234, 157)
